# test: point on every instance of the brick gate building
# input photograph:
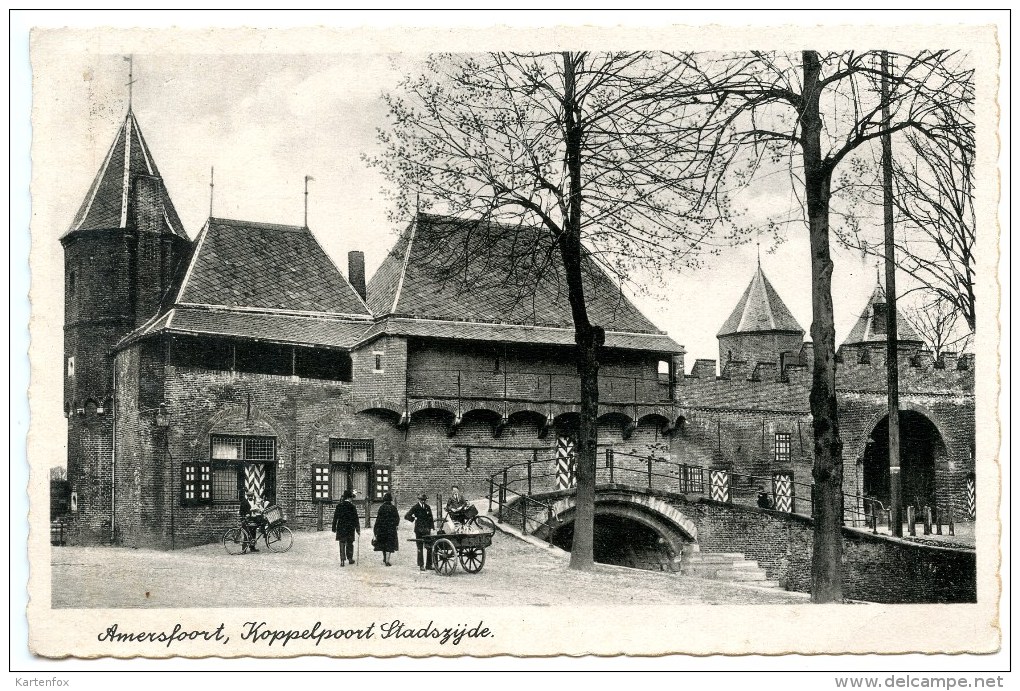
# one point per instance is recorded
(247, 360)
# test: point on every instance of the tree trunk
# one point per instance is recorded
(588, 338)
(827, 554)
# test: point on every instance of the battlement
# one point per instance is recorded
(786, 385)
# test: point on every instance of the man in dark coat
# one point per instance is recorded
(421, 515)
(345, 524)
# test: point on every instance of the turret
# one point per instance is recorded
(123, 255)
(760, 328)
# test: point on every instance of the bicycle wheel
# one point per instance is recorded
(279, 539)
(484, 524)
(233, 541)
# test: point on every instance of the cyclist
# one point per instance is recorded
(252, 519)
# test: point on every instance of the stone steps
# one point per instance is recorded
(725, 566)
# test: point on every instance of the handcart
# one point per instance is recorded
(449, 548)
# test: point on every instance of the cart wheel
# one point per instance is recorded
(472, 559)
(444, 557)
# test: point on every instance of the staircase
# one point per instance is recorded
(725, 566)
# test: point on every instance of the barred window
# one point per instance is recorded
(237, 448)
(782, 448)
(224, 482)
(350, 467)
(242, 464)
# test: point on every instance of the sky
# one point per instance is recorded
(264, 122)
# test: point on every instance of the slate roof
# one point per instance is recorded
(106, 203)
(514, 333)
(760, 309)
(482, 277)
(864, 333)
(269, 267)
(277, 328)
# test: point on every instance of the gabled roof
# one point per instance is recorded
(106, 204)
(455, 270)
(863, 331)
(266, 267)
(760, 309)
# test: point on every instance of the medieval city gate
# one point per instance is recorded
(922, 449)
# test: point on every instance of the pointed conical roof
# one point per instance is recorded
(106, 204)
(864, 330)
(760, 309)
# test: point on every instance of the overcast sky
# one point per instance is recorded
(266, 121)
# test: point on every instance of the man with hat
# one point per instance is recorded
(421, 515)
(345, 524)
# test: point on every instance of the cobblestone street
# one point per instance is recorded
(515, 573)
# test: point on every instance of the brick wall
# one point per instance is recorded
(876, 568)
(758, 347)
(391, 382)
(89, 473)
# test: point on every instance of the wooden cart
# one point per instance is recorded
(449, 548)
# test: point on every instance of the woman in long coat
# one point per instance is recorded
(386, 522)
(345, 525)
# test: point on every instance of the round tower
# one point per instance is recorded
(760, 328)
(122, 256)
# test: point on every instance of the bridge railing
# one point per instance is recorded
(512, 489)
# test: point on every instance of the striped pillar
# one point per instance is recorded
(782, 491)
(971, 499)
(720, 484)
(255, 479)
(565, 463)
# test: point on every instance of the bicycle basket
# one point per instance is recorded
(274, 515)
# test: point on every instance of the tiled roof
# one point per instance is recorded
(452, 269)
(864, 333)
(514, 333)
(760, 309)
(266, 266)
(106, 204)
(277, 328)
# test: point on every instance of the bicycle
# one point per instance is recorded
(469, 520)
(277, 537)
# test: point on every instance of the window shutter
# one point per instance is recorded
(204, 472)
(320, 482)
(382, 483)
(270, 482)
(189, 484)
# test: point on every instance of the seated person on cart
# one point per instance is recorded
(253, 519)
(458, 510)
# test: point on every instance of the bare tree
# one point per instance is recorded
(806, 114)
(934, 197)
(937, 322)
(589, 151)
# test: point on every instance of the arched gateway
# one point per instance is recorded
(922, 449)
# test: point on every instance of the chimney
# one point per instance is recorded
(356, 272)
